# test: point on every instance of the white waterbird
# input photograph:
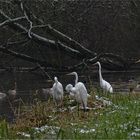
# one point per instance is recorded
(106, 86)
(79, 91)
(58, 92)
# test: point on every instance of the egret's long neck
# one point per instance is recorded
(100, 74)
(76, 78)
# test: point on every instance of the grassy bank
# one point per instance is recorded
(121, 120)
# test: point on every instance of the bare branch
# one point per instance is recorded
(40, 26)
(8, 43)
(17, 42)
(64, 38)
(46, 74)
(8, 21)
(31, 24)
(67, 39)
(44, 41)
(138, 61)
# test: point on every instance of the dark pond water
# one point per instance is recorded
(29, 85)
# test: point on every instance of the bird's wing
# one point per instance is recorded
(83, 96)
(107, 86)
(77, 96)
(81, 87)
(54, 86)
(60, 88)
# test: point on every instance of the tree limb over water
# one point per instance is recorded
(65, 44)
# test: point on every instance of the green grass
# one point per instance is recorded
(118, 121)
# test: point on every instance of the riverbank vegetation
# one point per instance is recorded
(120, 119)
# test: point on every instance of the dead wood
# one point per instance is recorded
(9, 21)
(43, 40)
(62, 37)
(62, 41)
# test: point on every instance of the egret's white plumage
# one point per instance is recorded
(79, 91)
(58, 92)
(104, 84)
(68, 90)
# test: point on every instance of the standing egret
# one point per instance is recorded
(104, 84)
(58, 92)
(79, 91)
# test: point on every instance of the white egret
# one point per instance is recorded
(79, 91)
(104, 84)
(58, 92)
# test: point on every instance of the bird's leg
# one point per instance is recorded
(84, 107)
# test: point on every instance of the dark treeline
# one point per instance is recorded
(101, 26)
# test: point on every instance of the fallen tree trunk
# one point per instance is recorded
(110, 65)
(42, 40)
(59, 35)
(74, 44)
(109, 61)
